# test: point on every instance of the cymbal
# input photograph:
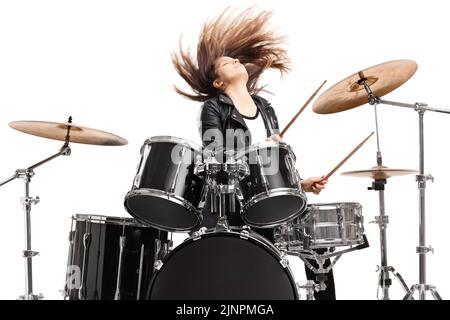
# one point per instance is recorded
(58, 131)
(379, 172)
(382, 79)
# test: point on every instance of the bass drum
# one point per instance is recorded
(223, 265)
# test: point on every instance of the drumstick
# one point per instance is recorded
(301, 110)
(347, 157)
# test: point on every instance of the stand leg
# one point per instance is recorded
(309, 287)
(435, 294)
(400, 279)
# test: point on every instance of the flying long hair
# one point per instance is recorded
(245, 36)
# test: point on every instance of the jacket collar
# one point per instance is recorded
(235, 115)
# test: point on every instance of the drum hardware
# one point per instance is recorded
(265, 183)
(220, 192)
(122, 240)
(368, 86)
(324, 232)
(140, 272)
(310, 287)
(421, 179)
(306, 255)
(380, 174)
(232, 169)
(177, 172)
(384, 282)
(86, 245)
(27, 202)
(422, 287)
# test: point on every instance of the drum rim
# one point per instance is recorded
(172, 139)
(244, 231)
(265, 144)
(274, 192)
(112, 220)
(315, 207)
(167, 196)
(251, 236)
(356, 205)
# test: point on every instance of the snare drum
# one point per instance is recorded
(323, 226)
(271, 194)
(111, 258)
(224, 265)
(166, 193)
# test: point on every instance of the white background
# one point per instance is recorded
(107, 64)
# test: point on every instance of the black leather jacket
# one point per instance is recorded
(221, 124)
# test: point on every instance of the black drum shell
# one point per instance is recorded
(101, 258)
(167, 163)
(282, 199)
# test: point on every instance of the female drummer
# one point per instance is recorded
(232, 53)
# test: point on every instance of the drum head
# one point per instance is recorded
(270, 211)
(223, 266)
(161, 213)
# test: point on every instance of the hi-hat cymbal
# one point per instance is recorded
(379, 172)
(58, 131)
(382, 79)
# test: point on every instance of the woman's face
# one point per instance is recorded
(229, 71)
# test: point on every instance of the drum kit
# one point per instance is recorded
(134, 258)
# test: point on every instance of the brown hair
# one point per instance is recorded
(246, 37)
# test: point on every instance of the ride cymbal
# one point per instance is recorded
(348, 93)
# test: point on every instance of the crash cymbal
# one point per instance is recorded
(379, 172)
(382, 79)
(58, 131)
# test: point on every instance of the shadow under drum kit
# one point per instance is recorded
(134, 258)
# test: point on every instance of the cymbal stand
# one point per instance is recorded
(384, 282)
(422, 287)
(27, 202)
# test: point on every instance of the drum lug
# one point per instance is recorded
(197, 235)
(299, 287)
(244, 234)
(174, 182)
(244, 170)
(158, 264)
(284, 260)
(293, 176)
(261, 172)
